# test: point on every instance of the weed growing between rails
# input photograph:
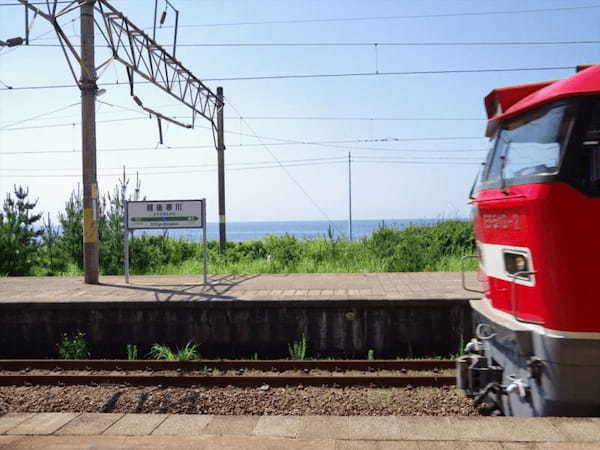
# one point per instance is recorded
(74, 347)
(187, 353)
(298, 349)
(132, 352)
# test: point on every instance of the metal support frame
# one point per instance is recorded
(161, 20)
(141, 55)
(139, 52)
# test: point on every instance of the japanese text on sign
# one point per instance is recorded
(165, 214)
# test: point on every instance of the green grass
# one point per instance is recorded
(298, 349)
(416, 248)
(132, 352)
(187, 353)
(437, 247)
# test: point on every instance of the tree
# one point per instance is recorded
(52, 254)
(72, 231)
(110, 229)
(18, 237)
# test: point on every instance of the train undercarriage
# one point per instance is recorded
(520, 369)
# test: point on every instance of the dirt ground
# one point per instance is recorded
(237, 401)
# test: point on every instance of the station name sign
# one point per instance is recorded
(165, 214)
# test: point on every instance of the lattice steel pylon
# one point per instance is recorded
(141, 55)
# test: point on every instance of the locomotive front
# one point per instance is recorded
(536, 208)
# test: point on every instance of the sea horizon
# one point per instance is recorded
(301, 229)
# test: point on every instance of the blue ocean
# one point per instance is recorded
(304, 229)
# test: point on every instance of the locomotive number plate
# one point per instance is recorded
(502, 221)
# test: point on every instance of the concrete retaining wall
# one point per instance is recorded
(414, 328)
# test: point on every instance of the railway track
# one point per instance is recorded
(271, 373)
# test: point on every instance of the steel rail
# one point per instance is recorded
(188, 381)
(264, 365)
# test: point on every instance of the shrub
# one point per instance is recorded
(74, 347)
(284, 251)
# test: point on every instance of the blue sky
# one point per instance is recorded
(387, 182)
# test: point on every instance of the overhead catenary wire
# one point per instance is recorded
(325, 75)
(273, 138)
(288, 173)
(168, 148)
(233, 169)
(395, 17)
(58, 2)
(38, 116)
(305, 118)
(277, 117)
(367, 44)
(263, 163)
(182, 166)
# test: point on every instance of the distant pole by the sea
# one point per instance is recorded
(350, 195)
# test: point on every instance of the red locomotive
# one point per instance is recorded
(536, 209)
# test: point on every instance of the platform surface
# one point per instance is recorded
(124, 431)
(365, 286)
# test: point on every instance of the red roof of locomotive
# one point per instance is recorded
(514, 100)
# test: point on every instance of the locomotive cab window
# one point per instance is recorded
(532, 144)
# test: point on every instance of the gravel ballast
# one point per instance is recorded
(300, 400)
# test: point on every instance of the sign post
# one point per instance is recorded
(164, 214)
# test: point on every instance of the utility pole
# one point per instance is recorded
(88, 144)
(221, 171)
(129, 45)
(350, 194)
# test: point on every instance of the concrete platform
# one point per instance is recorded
(286, 287)
(342, 315)
(115, 431)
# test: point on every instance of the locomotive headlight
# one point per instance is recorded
(520, 263)
(516, 263)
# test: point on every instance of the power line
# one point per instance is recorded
(233, 146)
(59, 2)
(399, 17)
(309, 118)
(273, 166)
(250, 164)
(387, 44)
(367, 44)
(368, 74)
(183, 166)
(358, 118)
(179, 172)
(288, 173)
(278, 139)
(281, 117)
(10, 125)
(71, 124)
(324, 75)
